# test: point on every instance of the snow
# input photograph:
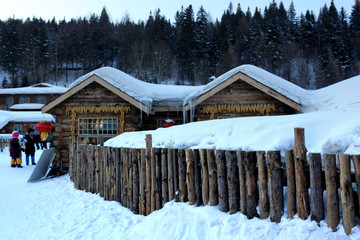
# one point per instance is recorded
(35, 89)
(24, 106)
(54, 209)
(24, 116)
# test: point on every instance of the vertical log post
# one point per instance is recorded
(164, 175)
(263, 188)
(317, 200)
(142, 202)
(130, 180)
(291, 190)
(125, 177)
(233, 181)
(205, 177)
(251, 184)
(190, 180)
(170, 170)
(222, 181)
(302, 195)
(275, 186)
(153, 181)
(332, 197)
(347, 202)
(176, 174)
(356, 162)
(135, 180)
(197, 175)
(182, 175)
(242, 181)
(213, 189)
(97, 169)
(71, 156)
(158, 192)
(148, 139)
(118, 175)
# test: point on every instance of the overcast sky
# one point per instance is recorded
(140, 9)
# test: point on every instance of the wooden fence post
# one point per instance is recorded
(251, 184)
(71, 157)
(233, 181)
(148, 189)
(205, 177)
(317, 200)
(90, 170)
(135, 180)
(197, 175)
(347, 202)
(263, 188)
(332, 197)
(190, 176)
(213, 189)
(182, 175)
(356, 162)
(275, 186)
(1, 144)
(130, 177)
(164, 174)
(176, 174)
(142, 202)
(158, 192)
(291, 190)
(97, 169)
(153, 181)
(222, 181)
(118, 175)
(125, 177)
(302, 194)
(242, 181)
(170, 165)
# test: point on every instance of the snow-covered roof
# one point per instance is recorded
(40, 88)
(28, 106)
(28, 116)
(152, 95)
(148, 94)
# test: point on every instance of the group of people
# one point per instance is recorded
(31, 139)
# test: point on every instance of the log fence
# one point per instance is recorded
(251, 182)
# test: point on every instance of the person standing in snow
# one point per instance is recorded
(37, 140)
(15, 150)
(30, 146)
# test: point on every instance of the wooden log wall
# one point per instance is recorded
(144, 180)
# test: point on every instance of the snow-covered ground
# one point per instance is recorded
(54, 209)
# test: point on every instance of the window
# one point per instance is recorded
(24, 99)
(9, 101)
(90, 129)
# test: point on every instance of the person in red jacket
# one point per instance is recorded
(15, 150)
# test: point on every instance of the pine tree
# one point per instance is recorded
(5, 83)
(256, 39)
(355, 34)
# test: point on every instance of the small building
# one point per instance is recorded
(41, 93)
(107, 102)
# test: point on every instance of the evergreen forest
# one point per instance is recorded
(310, 50)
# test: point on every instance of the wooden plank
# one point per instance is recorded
(153, 181)
(251, 184)
(213, 189)
(302, 195)
(356, 162)
(164, 177)
(182, 175)
(170, 170)
(233, 182)
(142, 200)
(118, 175)
(158, 191)
(275, 186)
(205, 177)
(263, 187)
(317, 200)
(135, 180)
(222, 181)
(291, 190)
(176, 174)
(197, 176)
(347, 201)
(190, 179)
(242, 180)
(148, 190)
(332, 197)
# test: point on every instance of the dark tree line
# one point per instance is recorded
(310, 51)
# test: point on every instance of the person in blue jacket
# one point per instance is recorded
(30, 146)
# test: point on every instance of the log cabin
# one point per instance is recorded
(107, 102)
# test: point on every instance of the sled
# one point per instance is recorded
(43, 166)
